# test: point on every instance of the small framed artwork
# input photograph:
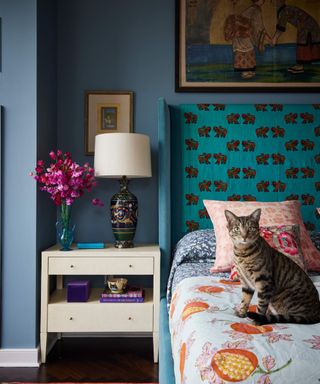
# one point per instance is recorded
(107, 112)
(247, 45)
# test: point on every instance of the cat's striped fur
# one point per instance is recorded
(285, 292)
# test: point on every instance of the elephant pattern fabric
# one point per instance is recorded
(248, 152)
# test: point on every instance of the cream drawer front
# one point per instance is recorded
(101, 317)
(99, 266)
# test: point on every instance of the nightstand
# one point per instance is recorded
(59, 316)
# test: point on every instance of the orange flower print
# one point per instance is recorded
(251, 329)
(234, 364)
(211, 289)
(173, 304)
(252, 308)
(192, 308)
(229, 282)
(183, 352)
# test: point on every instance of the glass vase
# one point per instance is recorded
(65, 231)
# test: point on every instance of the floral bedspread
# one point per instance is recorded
(212, 345)
(194, 255)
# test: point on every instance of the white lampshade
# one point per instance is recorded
(122, 154)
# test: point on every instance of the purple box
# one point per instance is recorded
(78, 291)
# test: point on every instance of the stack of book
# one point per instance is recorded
(131, 295)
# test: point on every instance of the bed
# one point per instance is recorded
(197, 325)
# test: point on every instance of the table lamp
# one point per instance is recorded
(123, 156)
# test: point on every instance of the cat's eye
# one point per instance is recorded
(252, 229)
(236, 228)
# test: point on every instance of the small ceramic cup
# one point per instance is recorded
(117, 285)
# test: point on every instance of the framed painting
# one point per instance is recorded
(107, 112)
(247, 45)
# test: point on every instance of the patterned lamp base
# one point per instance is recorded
(124, 212)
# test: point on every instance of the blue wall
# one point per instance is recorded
(28, 94)
(18, 96)
(119, 45)
(111, 45)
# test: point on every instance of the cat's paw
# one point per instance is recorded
(257, 318)
(241, 312)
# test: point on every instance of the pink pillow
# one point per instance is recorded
(273, 213)
(283, 238)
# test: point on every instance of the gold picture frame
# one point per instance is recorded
(107, 112)
(277, 55)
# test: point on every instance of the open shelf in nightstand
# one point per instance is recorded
(59, 296)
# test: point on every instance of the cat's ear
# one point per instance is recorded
(256, 214)
(231, 217)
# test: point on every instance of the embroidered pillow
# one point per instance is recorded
(283, 238)
(273, 213)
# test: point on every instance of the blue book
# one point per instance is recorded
(90, 245)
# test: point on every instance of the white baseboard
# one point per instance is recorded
(19, 357)
(31, 357)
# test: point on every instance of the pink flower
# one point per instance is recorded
(266, 233)
(264, 379)
(315, 342)
(242, 344)
(268, 362)
(97, 202)
(64, 179)
(273, 337)
(287, 243)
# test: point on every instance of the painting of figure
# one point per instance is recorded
(247, 33)
(308, 34)
(248, 45)
(109, 116)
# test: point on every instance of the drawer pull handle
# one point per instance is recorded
(71, 318)
(130, 318)
(71, 266)
(130, 265)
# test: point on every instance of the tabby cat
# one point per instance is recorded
(285, 292)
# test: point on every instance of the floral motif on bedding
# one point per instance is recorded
(235, 365)
(211, 345)
(200, 246)
(315, 342)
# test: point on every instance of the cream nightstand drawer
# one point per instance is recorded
(98, 265)
(104, 317)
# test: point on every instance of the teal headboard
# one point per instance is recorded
(164, 191)
(264, 152)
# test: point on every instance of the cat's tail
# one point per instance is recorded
(270, 318)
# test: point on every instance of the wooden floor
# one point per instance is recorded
(92, 360)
